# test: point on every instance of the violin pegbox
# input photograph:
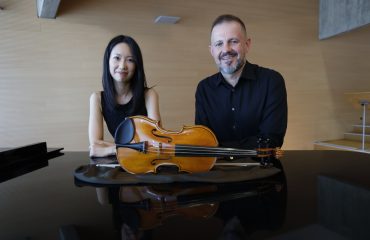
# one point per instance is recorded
(266, 153)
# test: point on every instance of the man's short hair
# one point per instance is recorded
(228, 18)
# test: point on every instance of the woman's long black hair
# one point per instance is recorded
(137, 83)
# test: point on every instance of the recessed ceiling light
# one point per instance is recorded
(167, 19)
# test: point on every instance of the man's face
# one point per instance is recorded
(229, 46)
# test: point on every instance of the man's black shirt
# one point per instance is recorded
(256, 107)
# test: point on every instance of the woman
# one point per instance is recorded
(125, 94)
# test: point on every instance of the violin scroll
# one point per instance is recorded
(279, 153)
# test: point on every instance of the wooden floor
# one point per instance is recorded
(342, 144)
(351, 141)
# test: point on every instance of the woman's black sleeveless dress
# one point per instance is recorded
(114, 117)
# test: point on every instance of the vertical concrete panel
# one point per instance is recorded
(47, 8)
(339, 16)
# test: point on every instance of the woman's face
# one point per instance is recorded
(121, 63)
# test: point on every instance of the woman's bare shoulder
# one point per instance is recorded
(150, 93)
(95, 96)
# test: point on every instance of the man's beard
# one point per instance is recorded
(232, 68)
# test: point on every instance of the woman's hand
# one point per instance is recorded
(102, 149)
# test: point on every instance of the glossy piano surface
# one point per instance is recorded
(316, 195)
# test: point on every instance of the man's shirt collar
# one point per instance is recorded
(248, 73)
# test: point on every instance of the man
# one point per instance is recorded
(243, 102)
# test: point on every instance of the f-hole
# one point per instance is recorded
(169, 140)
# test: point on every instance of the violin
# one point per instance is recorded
(142, 146)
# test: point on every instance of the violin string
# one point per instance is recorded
(203, 153)
(202, 150)
(191, 147)
(217, 153)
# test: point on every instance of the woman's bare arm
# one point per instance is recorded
(152, 104)
(98, 147)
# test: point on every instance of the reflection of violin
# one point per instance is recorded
(143, 146)
(155, 204)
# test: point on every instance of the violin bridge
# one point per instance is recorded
(157, 147)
